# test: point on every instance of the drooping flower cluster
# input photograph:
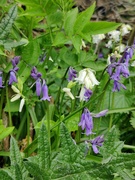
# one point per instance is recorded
(120, 68)
(87, 120)
(14, 70)
(86, 79)
(41, 87)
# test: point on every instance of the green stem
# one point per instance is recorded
(20, 130)
(8, 104)
(128, 146)
(48, 122)
(1, 102)
(33, 116)
(79, 109)
(28, 123)
(111, 116)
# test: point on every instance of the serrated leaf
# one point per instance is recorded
(100, 27)
(83, 18)
(69, 21)
(4, 175)
(69, 149)
(112, 146)
(43, 148)
(7, 22)
(34, 170)
(18, 174)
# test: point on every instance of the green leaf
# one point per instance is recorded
(100, 27)
(69, 149)
(18, 174)
(34, 170)
(77, 42)
(31, 52)
(7, 22)
(4, 175)
(72, 122)
(14, 106)
(112, 146)
(15, 155)
(70, 21)
(83, 18)
(4, 132)
(43, 148)
(60, 39)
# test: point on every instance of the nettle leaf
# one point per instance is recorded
(69, 21)
(112, 146)
(43, 148)
(16, 160)
(36, 171)
(100, 27)
(4, 175)
(83, 18)
(7, 22)
(69, 149)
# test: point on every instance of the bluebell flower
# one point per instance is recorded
(117, 85)
(12, 77)
(98, 141)
(35, 74)
(14, 70)
(71, 74)
(38, 86)
(85, 94)
(87, 120)
(15, 61)
(45, 92)
(1, 86)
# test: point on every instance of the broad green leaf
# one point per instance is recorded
(55, 18)
(77, 42)
(24, 71)
(29, 2)
(4, 132)
(83, 18)
(34, 11)
(4, 175)
(100, 27)
(43, 148)
(70, 21)
(7, 22)
(60, 39)
(120, 110)
(35, 171)
(72, 122)
(14, 106)
(69, 149)
(31, 52)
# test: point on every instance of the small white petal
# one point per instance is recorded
(67, 91)
(15, 89)
(21, 104)
(17, 96)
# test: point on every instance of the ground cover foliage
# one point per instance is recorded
(67, 93)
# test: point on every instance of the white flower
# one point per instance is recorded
(109, 44)
(17, 96)
(133, 64)
(97, 38)
(115, 35)
(87, 77)
(68, 92)
(125, 29)
(83, 45)
(115, 55)
(121, 48)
